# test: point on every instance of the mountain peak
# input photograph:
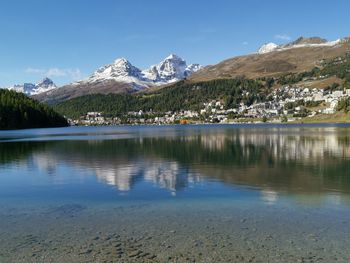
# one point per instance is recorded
(266, 48)
(173, 68)
(120, 70)
(46, 81)
(33, 89)
(173, 57)
(121, 62)
(306, 41)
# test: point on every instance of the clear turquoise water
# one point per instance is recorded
(242, 192)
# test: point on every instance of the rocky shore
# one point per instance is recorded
(173, 232)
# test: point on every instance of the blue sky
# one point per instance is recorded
(69, 39)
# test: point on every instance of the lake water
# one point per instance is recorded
(211, 193)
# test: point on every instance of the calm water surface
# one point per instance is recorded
(225, 193)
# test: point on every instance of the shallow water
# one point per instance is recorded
(211, 193)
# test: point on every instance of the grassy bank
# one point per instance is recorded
(339, 117)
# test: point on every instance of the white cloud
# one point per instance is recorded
(56, 72)
(283, 37)
(245, 43)
(34, 71)
(73, 74)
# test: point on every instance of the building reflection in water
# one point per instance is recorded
(313, 161)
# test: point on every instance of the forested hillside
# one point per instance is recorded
(17, 111)
(180, 96)
(187, 95)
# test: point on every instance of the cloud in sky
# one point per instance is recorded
(73, 74)
(283, 37)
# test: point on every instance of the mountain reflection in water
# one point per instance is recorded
(302, 161)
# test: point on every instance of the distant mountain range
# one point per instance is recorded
(171, 69)
(33, 89)
(121, 76)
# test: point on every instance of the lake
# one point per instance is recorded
(206, 193)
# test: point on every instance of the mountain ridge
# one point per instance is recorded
(171, 69)
(299, 42)
(275, 60)
(302, 54)
(33, 89)
(121, 76)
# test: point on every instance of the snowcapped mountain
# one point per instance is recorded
(33, 89)
(299, 43)
(121, 68)
(45, 85)
(171, 69)
(123, 77)
(269, 47)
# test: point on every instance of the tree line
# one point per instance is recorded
(17, 111)
(183, 95)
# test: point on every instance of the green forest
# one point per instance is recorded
(17, 111)
(339, 67)
(180, 96)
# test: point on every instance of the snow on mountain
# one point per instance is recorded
(171, 69)
(121, 70)
(45, 85)
(33, 89)
(299, 43)
(269, 47)
(192, 68)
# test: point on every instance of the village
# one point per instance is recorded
(285, 104)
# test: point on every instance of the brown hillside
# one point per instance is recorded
(72, 91)
(273, 63)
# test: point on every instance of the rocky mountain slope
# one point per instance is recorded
(300, 42)
(121, 76)
(275, 60)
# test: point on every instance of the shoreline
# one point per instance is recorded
(237, 124)
(237, 233)
(336, 118)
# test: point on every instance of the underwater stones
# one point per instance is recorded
(68, 210)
